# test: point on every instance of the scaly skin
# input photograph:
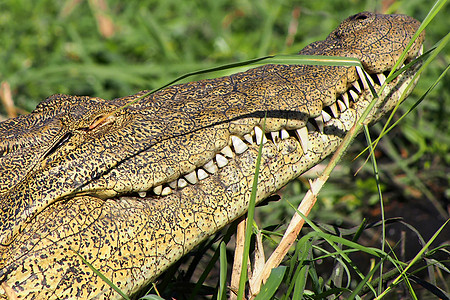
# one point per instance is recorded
(71, 184)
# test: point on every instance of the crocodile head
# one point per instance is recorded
(135, 191)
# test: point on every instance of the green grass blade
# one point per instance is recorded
(333, 239)
(380, 196)
(300, 283)
(222, 293)
(413, 261)
(289, 60)
(316, 60)
(250, 215)
(272, 283)
(151, 297)
(231, 230)
(304, 247)
(363, 282)
(394, 72)
(439, 47)
(103, 277)
(430, 16)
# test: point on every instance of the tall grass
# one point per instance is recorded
(53, 47)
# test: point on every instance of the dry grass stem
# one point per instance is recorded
(292, 231)
(258, 266)
(6, 97)
(238, 255)
(104, 21)
(9, 291)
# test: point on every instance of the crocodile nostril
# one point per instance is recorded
(361, 17)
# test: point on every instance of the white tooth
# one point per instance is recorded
(191, 177)
(354, 95)
(202, 174)
(166, 191)
(259, 134)
(275, 136)
(381, 78)
(264, 139)
(238, 144)
(227, 152)
(421, 51)
(302, 134)
(342, 106)
(345, 98)
(182, 183)
(319, 122)
(357, 86)
(334, 110)
(157, 190)
(173, 184)
(325, 116)
(284, 134)
(142, 194)
(248, 137)
(221, 161)
(211, 167)
(362, 77)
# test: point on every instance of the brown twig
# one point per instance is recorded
(292, 231)
(258, 266)
(10, 293)
(104, 21)
(6, 97)
(238, 255)
(306, 205)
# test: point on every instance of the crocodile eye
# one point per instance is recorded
(100, 121)
(96, 122)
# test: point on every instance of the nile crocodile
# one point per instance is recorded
(134, 191)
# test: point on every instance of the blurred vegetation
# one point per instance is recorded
(111, 48)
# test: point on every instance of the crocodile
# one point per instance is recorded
(132, 186)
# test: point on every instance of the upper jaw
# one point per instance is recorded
(347, 105)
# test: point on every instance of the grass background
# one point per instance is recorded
(110, 49)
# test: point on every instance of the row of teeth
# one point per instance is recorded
(240, 145)
(343, 101)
